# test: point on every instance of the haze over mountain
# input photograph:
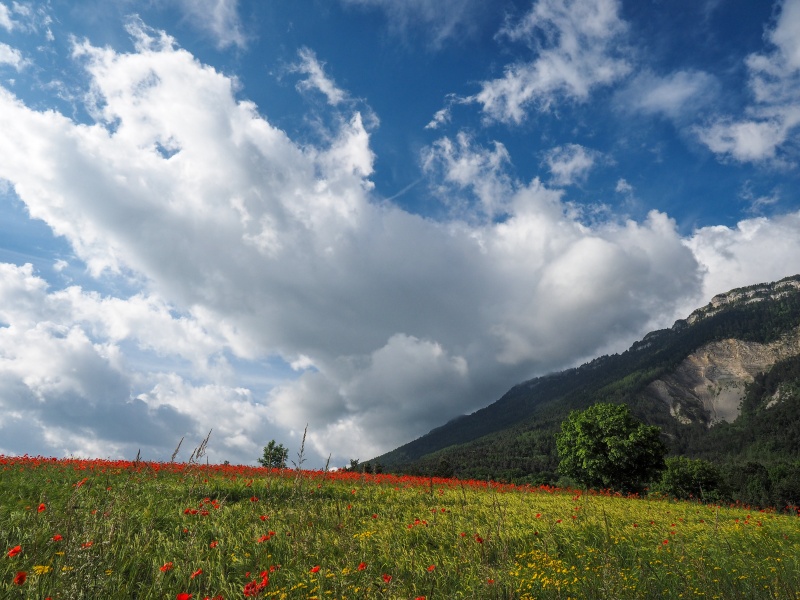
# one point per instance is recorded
(368, 216)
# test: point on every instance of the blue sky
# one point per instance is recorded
(368, 216)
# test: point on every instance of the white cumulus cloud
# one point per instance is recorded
(246, 246)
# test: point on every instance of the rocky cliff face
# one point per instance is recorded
(709, 385)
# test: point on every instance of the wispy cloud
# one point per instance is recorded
(570, 163)
(218, 18)
(11, 56)
(771, 120)
(444, 21)
(5, 18)
(316, 78)
(678, 96)
(577, 45)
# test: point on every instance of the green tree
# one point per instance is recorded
(685, 478)
(275, 456)
(604, 446)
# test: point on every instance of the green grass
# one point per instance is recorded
(120, 523)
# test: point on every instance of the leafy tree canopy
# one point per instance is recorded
(275, 456)
(605, 447)
(685, 478)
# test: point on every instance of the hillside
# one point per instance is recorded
(718, 383)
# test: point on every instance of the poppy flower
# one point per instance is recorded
(165, 567)
(15, 550)
(362, 566)
(183, 596)
(57, 537)
(20, 577)
(42, 507)
(315, 569)
(387, 578)
(213, 544)
(196, 573)
(431, 568)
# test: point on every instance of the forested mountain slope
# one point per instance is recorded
(740, 349)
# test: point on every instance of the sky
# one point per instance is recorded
(367, 217)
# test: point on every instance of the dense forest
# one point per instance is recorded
(755, 459)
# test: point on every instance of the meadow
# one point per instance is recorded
(72, 529)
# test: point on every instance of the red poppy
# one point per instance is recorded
(362, 566)
(20, 577)
(196, 573)
(87, 544)
(42, 507)
(57, 537)
(15, 550)
(213, 544)
(315, 569)
(253, 499)
(431, 568)
(263, 517)
(387, 578)
(166, 567)
(183, 596)
(254, 587)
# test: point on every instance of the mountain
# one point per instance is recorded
(722, 384)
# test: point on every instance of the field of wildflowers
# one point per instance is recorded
(72, 529)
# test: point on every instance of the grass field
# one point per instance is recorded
(73, 529)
